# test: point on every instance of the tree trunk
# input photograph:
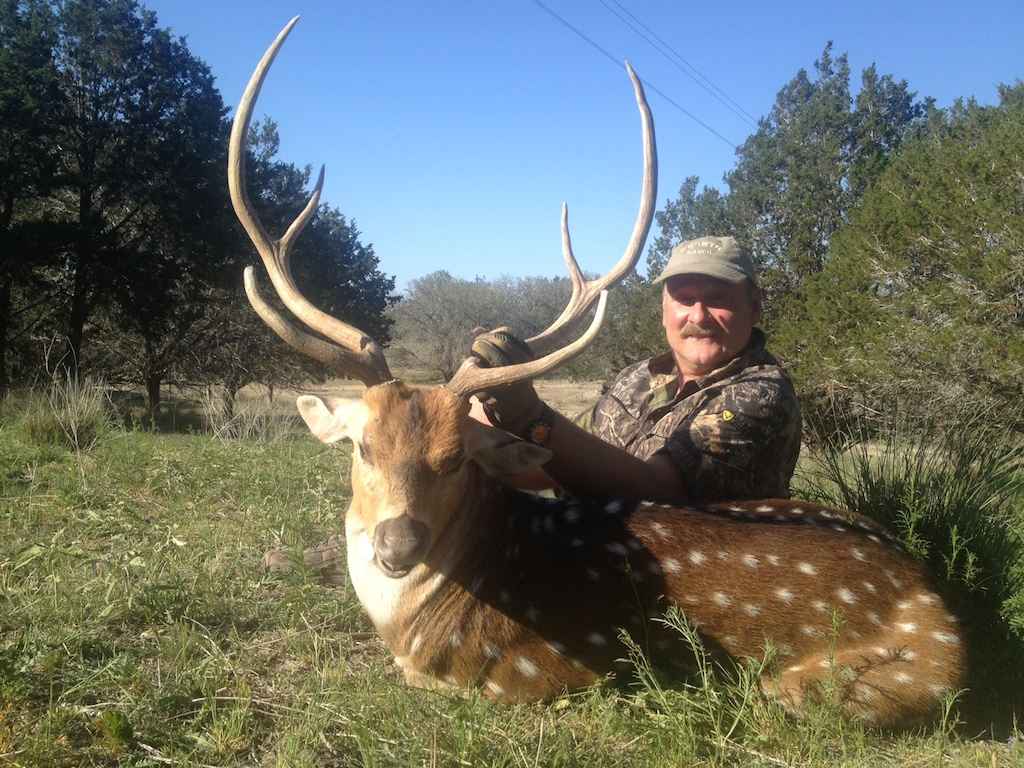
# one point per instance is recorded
(5, 313)
(153, 381)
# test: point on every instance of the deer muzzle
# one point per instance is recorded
(399, 543)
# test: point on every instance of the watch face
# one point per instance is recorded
(539, 433)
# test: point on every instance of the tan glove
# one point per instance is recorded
(514, 406)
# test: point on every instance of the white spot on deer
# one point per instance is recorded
(893, 580)
(870, 587)
(946, 637)
(903, 678)
(950, 618)
(593, 574)
(928, 598)
(908, 655)
(825, 663)
(824, 513)
(751, 610)
(874, 538)
(494, 688)
(773, 559)
(735, 508)
(858, 554)
(937, 690)
(691, 599)
(571, 515)
(722, 599)
(855, 634)
(904, 604)
(576, 543)
(450, 680)
(796, 511)
(613, 507)
(596, 638)
(810, 631)
(696, 557)
(807, 568)
(846, 596)
(729, 640)
(881, 651)
(765, 508)
(784, 595)
(795, 668)
(616, 548)
(526, 667)
(661, 531)
(416, 643)
(750, 561)
(556, 648)
(839, 528)
(491, 651)
(908, 626)
(455, 639)
(670, 564)
(820, 605)
(873, 618)
(723, 555)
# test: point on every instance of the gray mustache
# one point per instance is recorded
(691, 330)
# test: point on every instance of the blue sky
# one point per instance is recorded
(452, 131)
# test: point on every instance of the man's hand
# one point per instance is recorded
(514, 406)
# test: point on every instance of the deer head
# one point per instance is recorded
(415, 450)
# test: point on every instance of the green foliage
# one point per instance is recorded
(954, 493)
(923, 296)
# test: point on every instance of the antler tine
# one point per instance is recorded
(471, 378)
(348, 348)
(585, 292)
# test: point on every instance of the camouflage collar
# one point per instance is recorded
(664, 373)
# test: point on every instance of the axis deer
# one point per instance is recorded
(471, 583)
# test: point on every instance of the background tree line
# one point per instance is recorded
(887, 232)
(117, 237)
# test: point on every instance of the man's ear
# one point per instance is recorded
(333, 418)
(500, 454)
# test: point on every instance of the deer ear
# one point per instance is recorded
(498, 453)
(333, 418)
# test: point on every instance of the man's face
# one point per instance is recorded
(707, 321)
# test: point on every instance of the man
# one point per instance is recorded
(713, 418)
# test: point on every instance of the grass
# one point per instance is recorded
(138, 629)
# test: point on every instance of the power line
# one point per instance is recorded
(618, 63)
(675, 58)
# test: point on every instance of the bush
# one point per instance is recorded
(70, 412)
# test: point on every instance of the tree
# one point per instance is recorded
(809, 161)
(922, 299)
(142, 120)
(29, 102)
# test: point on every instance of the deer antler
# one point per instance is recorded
(347, 348)
(471, 378)
(585, 292)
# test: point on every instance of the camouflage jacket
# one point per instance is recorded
(734, 434)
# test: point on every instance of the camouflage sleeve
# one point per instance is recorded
(743, 443)
(585, 419)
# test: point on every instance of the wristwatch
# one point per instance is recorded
(538, 431)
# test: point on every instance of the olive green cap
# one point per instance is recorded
(719, 257)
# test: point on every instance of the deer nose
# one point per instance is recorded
(399, 543)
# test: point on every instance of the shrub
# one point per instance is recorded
(69, 412)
